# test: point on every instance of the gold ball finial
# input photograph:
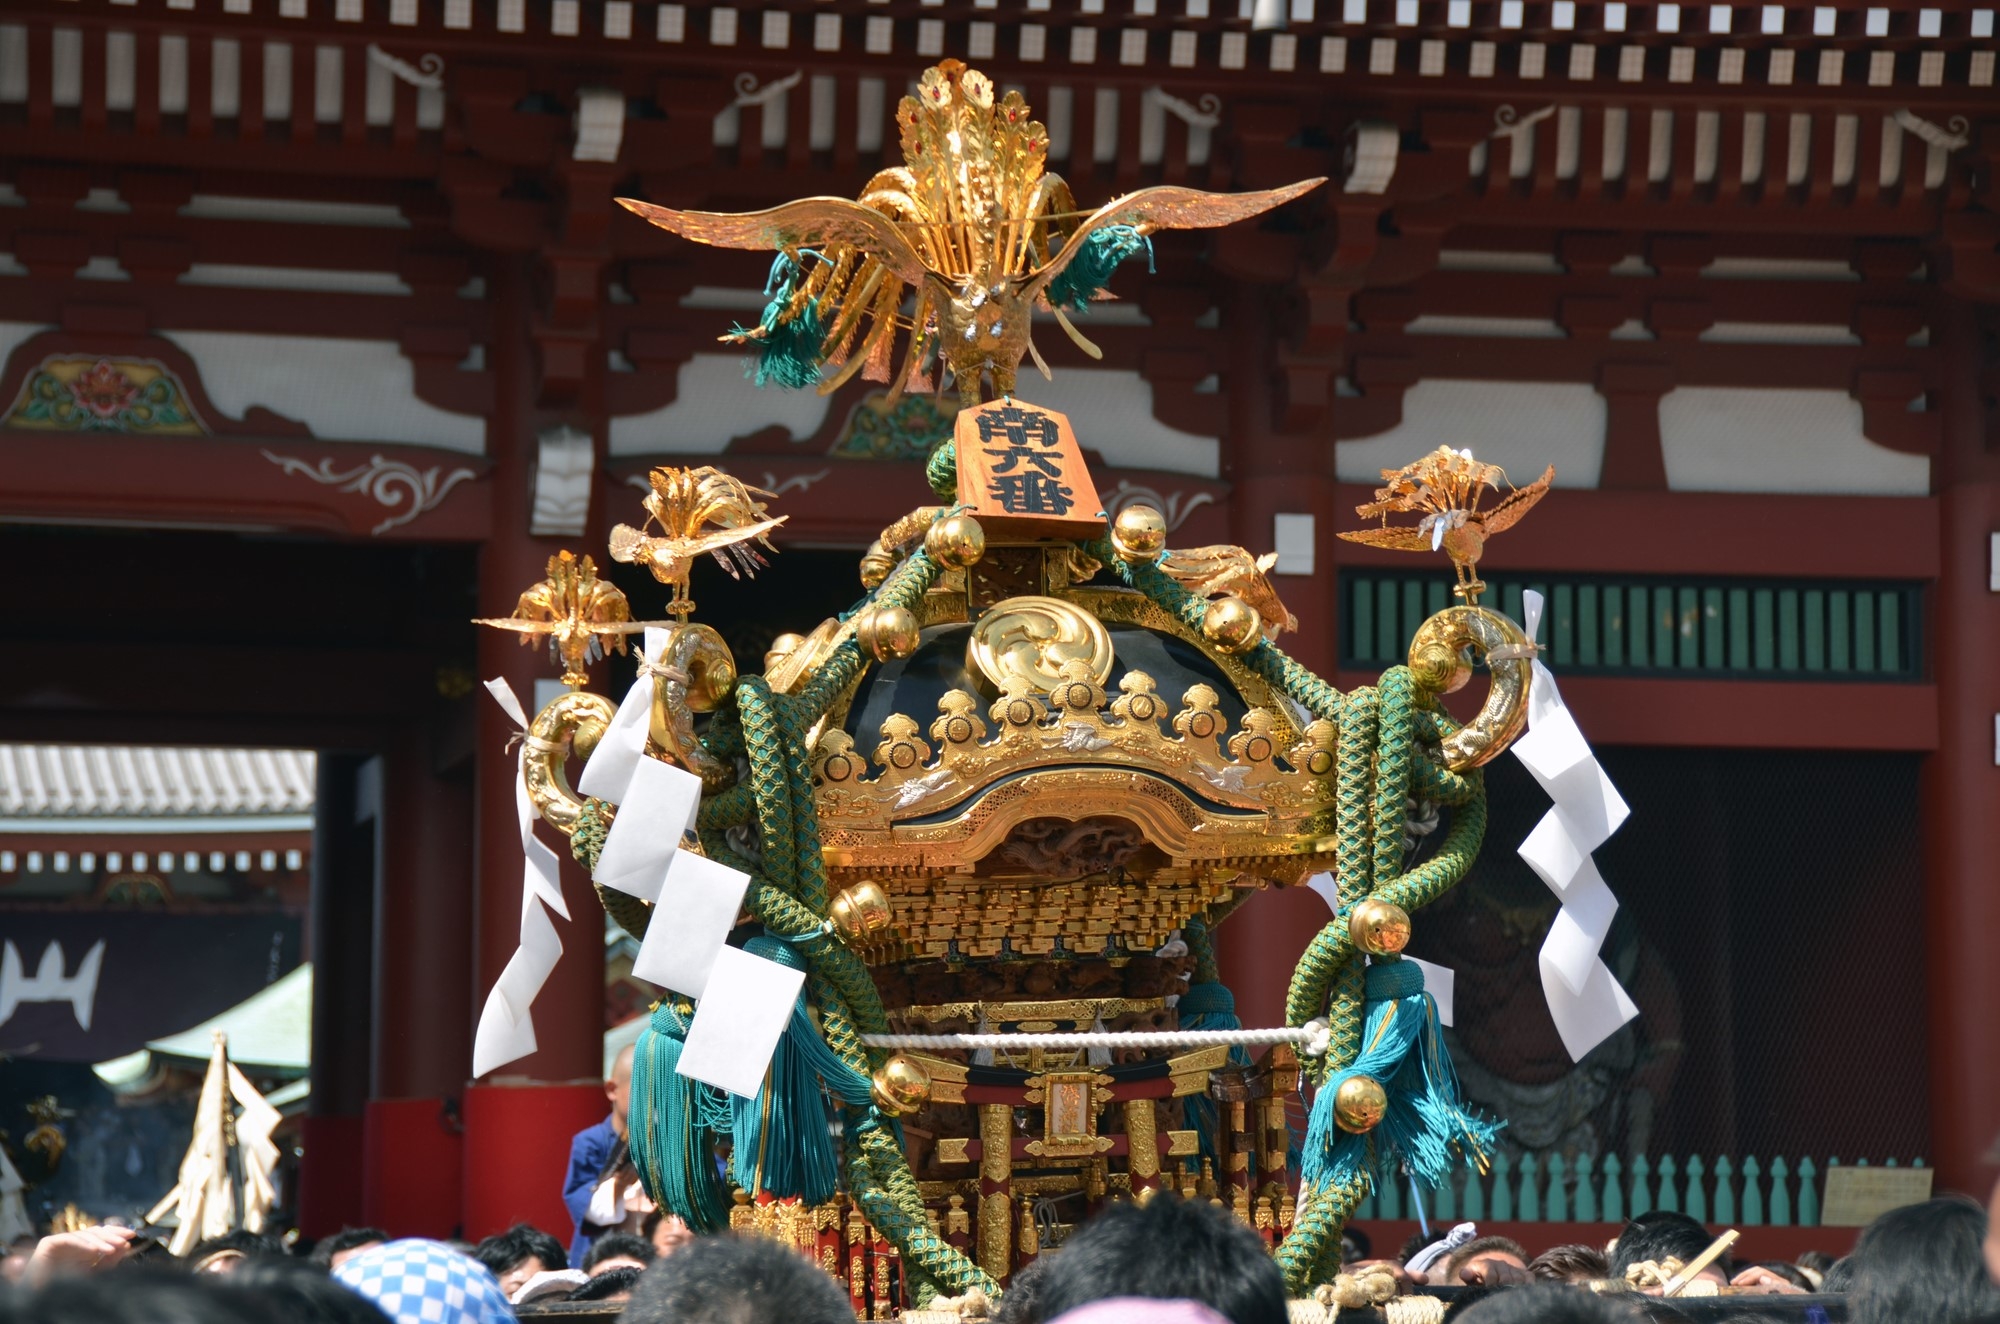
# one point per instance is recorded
(1380, 928)
(1140, 534)
(900, 1086)
(1232, 625)
(861, 914)
(1359, 1104)
(781, 648)
(887, 632)
(955, 542)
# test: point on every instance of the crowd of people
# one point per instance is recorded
(1167, 1261)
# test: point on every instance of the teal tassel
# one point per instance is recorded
(672, 1148)
(1426, 1126)
(1210, 1006)
(780, 1139)
(1090, 270)
(788, 352)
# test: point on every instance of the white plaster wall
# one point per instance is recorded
(1742, 439)
(344, 390)
(1521, 426)
(1112, 413)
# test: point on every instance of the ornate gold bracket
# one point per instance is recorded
(572, 723)
(1441, 662)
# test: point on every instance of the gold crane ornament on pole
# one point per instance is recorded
(696, 511)
(578, 613)
(971, 222)
(1446, 486)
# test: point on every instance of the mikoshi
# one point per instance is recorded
(982, 826)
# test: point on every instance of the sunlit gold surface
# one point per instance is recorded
(1223, 569)
(781, 648)
(696, 511)
(1140, 534)
(1359, 1104)
(861, 914)
(971, 223)
(1379, 928)
(887, 632)
(956, 541)
(901, 1085)
(1505, 712)
(1023, 643)
(1232, 625)
(1445, 487)
(549, 741)
(579, 614)
(696, 672)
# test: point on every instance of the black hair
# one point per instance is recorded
(1790, 1273)
(348, 1238)
(1922, 1264)
(1169, 1249)
(737, 1280)
(606, 1285)
(1839, 1275)
(297, 1291)
(1659, 1235)
(1473, 1249)
(1569, 1264)
(1022, 1301)
(1816, 1260)
(504, 1251)
(1415, 1242)
(1355, 1246)
(616, 1246)
(250, 1245)
(135, 1296)
(1552, 1303)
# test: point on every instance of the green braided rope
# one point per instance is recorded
(1201, 946)
(1316, 1225)
(873, 1156)
(1395, 745)
(941, 471)
(726, 809)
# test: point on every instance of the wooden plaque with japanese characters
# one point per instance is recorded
(1021, 473)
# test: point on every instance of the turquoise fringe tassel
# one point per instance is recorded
(788, 351)
(780, 1139)
(1090, 270)
(1426, 1128)
(672, 1149)
(1210, 1006)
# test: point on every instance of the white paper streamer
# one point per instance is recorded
(1585, 999)
(506, 1032)
(737, 1025)
(657, 808)
(697, 908)
(623, 743)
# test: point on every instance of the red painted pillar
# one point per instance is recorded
(1272, 474)
(423, 994)
(519, 1122)
(1961, 794)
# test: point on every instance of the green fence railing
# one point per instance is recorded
(1651, 626)
(1743, 1192)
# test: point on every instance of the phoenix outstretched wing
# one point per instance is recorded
(807, 222)
(1401, 540)
(1170, 207)
(1518, 503)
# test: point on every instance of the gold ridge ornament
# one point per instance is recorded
(1029, 641)
(696, 511)
(900, 1085)
(956, 542)
(971, 224)
(580, 615)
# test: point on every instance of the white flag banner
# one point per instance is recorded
(505, 1031)
(698, 906)
(738, 1022)
(658, 807)
(1585, 999)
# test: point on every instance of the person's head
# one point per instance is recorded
(1816, 1260)
(1355, 1246)
(618, 1089)
(1167, 1248)
(1569, 1264)
(1839, 1275)
(619, 1250)
(331, 1252)
(1791, 1273)
(608, 1285)
(300, 1292)
(1022, 1301)
(226, 1253)
(737, 1280)
(1662, 1235)
(1552, 1303)
(665, 1232)
(1481, 1260)
(518, 1254)
(425, 1282)
(136, 1296)
(1413, 1243)
(1922, 1264)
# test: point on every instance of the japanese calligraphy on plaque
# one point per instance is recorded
(1021, 472)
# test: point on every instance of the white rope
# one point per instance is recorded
(1313, 1037)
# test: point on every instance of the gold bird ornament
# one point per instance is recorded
(1446, 486)
(578, 613)
(696, 511)
(1224, 570)
(971, 224)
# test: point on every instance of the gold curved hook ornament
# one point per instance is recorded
(572, 723)
(1442, 655)
(694, 673)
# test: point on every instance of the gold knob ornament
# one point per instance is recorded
(900, 1086)
(1359, 1104)
(1380, 928)
(1232, 625)
(876, 563)
(887, 632)
(781, 648)
(861, 914)
(1139, 533)
(955, 542)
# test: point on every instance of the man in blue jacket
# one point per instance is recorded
(596, 1154)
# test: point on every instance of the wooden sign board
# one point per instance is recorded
(1856, 1197)
(1021, 473)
